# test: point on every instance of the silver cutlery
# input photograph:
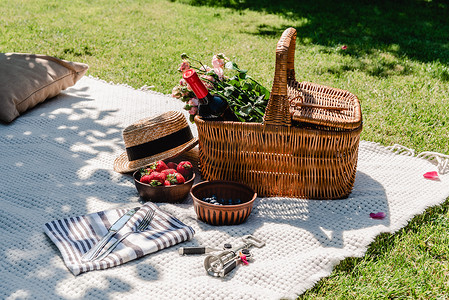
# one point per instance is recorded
(143, 225)
(93, 252)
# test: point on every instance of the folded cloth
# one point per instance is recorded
(75, 236)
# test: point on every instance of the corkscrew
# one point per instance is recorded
(220, 264)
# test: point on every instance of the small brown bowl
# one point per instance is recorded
(169, 194)
(223, 214)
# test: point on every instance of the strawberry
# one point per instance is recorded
(172, 165)
(179, 178)
(156, 178)
(176, 178)
(145, 171)
(166, 183)
(185, 168)
(158, 166)
(145, 179)
(169, 171)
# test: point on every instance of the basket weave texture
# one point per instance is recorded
(307, 146)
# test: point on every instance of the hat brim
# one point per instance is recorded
(123, 165)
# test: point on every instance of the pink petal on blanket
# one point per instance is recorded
(379, 215)
(431, 175)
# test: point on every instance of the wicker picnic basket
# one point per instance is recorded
(307, 146)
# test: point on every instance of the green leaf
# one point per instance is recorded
(260, 100)
(234, 81)
(228, 91)
(259, 111)
(247, 109)
(247, 86)
(241, 113)
(242, 75)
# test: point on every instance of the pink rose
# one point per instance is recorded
(205, 68)
(193, 102)
(182, 82)
(184, 66)
(193, 111)
(217, 62)
(208, 77)
(208, 81)
(219, 72)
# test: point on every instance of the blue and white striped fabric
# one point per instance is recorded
(76, 235)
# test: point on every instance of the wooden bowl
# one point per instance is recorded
(169, 194)
(223, 214)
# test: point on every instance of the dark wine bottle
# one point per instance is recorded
(210, 107)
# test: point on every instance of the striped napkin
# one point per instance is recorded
(75, 236)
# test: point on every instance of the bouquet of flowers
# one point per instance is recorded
(245, 96)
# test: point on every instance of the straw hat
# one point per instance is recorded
(156, 138)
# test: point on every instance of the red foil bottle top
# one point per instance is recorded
(195, 83)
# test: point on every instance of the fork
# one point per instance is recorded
(143, 225)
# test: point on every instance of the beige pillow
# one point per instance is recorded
(28, 79)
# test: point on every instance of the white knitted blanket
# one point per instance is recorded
(57, 163)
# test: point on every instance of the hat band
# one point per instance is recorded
(160, 145)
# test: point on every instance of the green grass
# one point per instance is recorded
(411, 264)
(397, 63)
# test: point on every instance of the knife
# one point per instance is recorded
(93, 252)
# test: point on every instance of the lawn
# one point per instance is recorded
(396, 62)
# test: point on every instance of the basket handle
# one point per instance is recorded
(278, 108)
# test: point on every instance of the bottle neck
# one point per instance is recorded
(205, 100)
(195, 83)
(211, 107)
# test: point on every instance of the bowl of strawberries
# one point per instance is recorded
(165, 181)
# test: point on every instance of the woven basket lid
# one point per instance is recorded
(155, 138)
(321, 105)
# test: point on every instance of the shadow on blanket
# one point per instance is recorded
(56, 163)
(327, 220)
